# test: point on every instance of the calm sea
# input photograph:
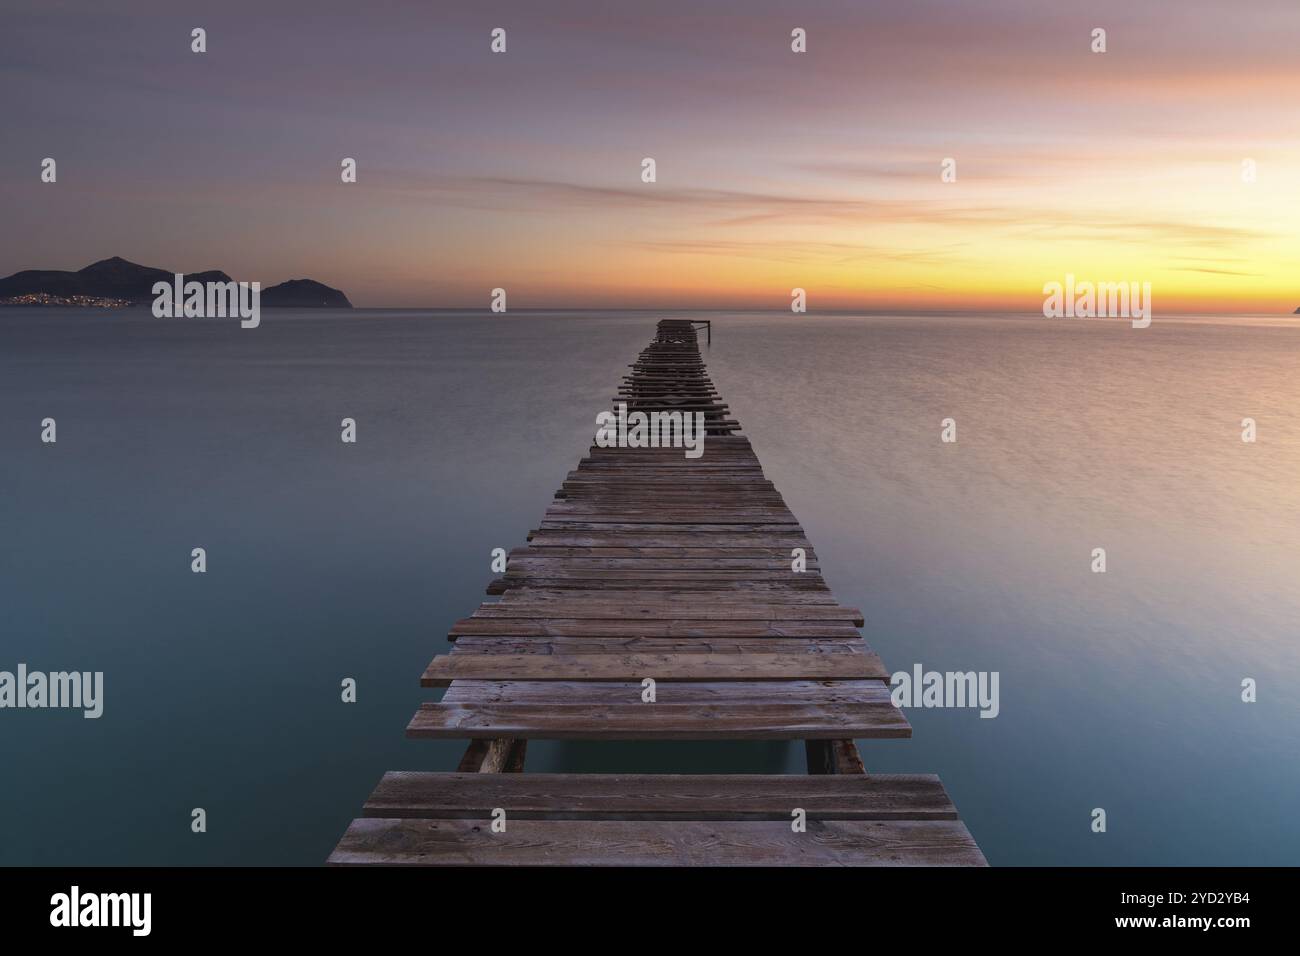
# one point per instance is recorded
(327, 561)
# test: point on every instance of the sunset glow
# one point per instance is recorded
(775, 170)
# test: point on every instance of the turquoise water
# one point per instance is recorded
(326, 561)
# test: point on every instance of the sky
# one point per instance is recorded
(774, 169)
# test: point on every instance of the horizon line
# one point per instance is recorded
(769, 311)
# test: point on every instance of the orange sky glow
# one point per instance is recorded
(775, 170)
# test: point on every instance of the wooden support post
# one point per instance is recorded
(833, 756)
(492, 755)
(819, 756)
(847, 758)
(515, 761)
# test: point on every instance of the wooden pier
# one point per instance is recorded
(652, 565)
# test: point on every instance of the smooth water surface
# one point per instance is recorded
(326, 560)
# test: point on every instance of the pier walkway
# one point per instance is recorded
(651, 565)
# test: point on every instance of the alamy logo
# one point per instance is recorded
(103, 909)
(37, 689)
(656, 430)
(922, 688)
(208, 300)
(1102, 300)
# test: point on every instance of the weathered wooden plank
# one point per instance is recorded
(559, 513)
(614, 585)
(565, 523)
(669, 496)
(587, 627)
(675, 611)
(782, 576)
(737, 484)
(667, 470)
(861, 720)
(703, 559)
(671, 596)
(627, 550)
(750, 692)
(684, 667)
(674, 510)
(404, 842)
(475, 644)
(586, 796)
(678, 580)
(775, 540)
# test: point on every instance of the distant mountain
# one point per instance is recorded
(1296, 312)
(116, 278)
(109, 278)
(304, 294)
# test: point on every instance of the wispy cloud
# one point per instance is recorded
(722, 207)
(1220, 272)
(797, 252)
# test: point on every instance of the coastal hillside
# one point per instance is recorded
(304, 294)
(120, 282)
